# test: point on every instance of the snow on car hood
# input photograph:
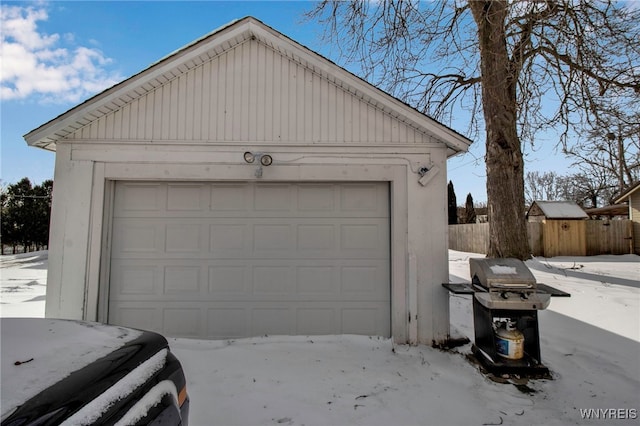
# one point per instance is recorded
(37, 353)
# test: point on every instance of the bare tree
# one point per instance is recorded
(590, 187)
(540, 186)
(611, 149)
(516, 66)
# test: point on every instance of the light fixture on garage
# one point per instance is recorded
(249, 157)
(427, 173)
(264, 159)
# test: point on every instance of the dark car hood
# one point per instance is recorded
(54, 367)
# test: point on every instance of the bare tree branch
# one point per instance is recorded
(515, 67)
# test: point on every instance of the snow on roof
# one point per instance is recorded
(557, 210)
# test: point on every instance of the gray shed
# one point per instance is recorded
(555, 210)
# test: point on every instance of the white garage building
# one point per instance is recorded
(243, 186)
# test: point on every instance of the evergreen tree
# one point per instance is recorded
(452, 204)
(42, 197)
(470, 211)
(6, 232)
(26, 211)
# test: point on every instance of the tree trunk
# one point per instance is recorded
(504, 161)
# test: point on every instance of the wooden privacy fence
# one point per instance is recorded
(609, 237)
(554, 237)
(470, 237)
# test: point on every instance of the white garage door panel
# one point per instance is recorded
(251, 236)
(256, 281)
(220, 320)
(236, 260)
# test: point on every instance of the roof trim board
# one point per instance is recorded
(626, 194)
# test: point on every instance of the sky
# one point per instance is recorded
(57, 54)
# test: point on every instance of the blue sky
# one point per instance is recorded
(57, 54)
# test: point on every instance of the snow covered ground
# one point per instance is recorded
(590, 341)
(23, 284)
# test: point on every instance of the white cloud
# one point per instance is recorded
(47, 66)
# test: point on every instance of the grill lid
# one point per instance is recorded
(501, 274)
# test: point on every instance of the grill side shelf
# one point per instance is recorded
(459, 288)
(467, 288)
(554, 292)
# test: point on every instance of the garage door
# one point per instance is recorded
(214, 260)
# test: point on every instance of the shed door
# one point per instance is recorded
(227, 260)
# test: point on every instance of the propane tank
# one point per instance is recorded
(509, 340)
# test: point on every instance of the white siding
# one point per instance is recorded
(251, 94)
(634, 205)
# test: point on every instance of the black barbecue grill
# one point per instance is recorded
(506, 301)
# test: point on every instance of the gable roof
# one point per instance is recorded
(557, 210)
(626, 194)
(213, 44)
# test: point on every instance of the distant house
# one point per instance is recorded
(632, 195)
(541, 211)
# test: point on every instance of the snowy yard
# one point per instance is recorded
(590, 341)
